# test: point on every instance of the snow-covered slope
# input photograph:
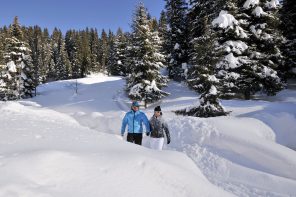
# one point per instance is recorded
(65, 144)
(46, 153)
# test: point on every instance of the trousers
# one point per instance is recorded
(156, 143)
(135, 138)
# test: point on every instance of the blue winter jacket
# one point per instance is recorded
(135, 121)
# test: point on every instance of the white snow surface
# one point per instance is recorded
(62, 144)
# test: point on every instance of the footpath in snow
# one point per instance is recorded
(65, 144)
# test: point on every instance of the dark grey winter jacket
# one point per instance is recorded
(159, 127)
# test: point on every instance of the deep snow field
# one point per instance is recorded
(63, 144)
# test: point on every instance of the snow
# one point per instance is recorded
(237, 47)
(224, 20)
(232, 75)
(258, 12)
(212, 78)
(241, 32)
(250, 3)
(231, 62)
(272, 4)
(152, 87)
(227, 21)
(65, 144)
(213, 90)
(256, 32)
(136, 89)
(177, 46)
(184, 66)
(268, 72)
(11, 66)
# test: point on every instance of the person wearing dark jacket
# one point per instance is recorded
(135, 119)
(159, 129)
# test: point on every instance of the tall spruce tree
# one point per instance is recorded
(117, 54)
(84, 54)
(245, 67)
(72, 48)
(163, 34)
(234, 68)
(60, 65)
(200, 15)
(16, 77)
(110, 58)
(103, 50)
(264, 42)
(176, 15)
(202, 74)
(145, 80)
(45, 56)
(94, 43)
(289, 24)
(2, 46)
(34, 38)
(129, 53)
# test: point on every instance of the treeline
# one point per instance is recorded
(48, 56)
(220, 48)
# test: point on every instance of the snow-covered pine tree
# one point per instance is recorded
(153, 24)
(289, 23)
(111, 40)
(2, 60)
(203, 74)
(33, 35)
(117, 54)
(145, 80)
(158, 44)
(200, 15)
(176, 11)
(72, 47)
(2, 46)
(16, 78)
(129, 53)
(60, 65)
(234, 68)
(264, 41)
(111, 60)
(45, 56)
(84, 53)
(103, 50)
(94, 43)
(164, 36)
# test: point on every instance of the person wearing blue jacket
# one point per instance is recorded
(135, 119)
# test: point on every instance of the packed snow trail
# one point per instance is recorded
(241, 153)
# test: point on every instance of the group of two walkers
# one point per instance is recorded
(156, 128)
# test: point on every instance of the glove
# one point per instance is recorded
(148, 133)
(169, 141)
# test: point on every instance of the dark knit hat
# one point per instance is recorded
(157, 108)
(135, 104)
